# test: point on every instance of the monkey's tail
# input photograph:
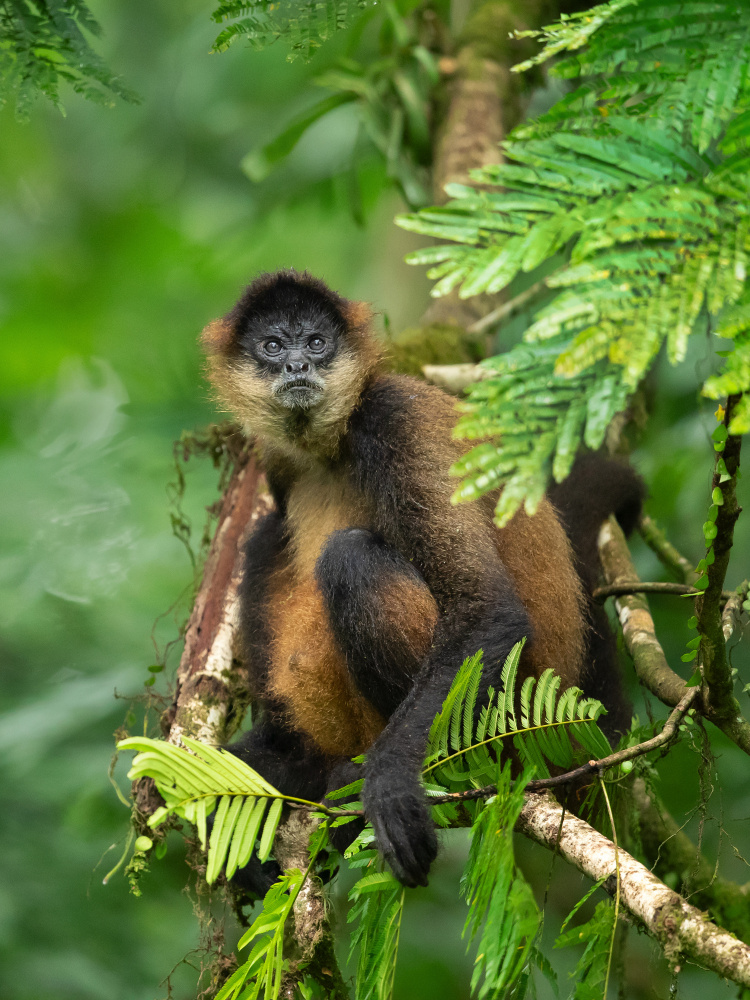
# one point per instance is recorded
(597, 487)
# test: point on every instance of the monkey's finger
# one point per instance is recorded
(396, 851)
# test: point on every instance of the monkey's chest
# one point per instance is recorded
(319, 503)
(308, 672)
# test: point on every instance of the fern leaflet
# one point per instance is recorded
(195, 783)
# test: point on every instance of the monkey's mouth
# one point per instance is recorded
(300, 392)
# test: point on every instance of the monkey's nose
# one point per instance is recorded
(297, 367)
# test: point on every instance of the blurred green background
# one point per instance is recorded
(122, 232)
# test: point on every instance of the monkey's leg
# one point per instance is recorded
(381, 612)
(290, 765)
(382, 615)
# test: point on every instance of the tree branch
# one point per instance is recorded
(635, 618)
(678, 589)
(483, 104)
(656, 540)
(210, 694)
(309, 943)
(671, 851)
(680, 929)
(639, 634)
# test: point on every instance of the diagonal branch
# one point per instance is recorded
(680, 929)
(674, 560)
(638, 631)
(635, 618)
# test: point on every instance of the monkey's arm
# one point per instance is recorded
(392, 796)
(401, 459)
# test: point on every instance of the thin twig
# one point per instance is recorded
(592, 766)
(508, 308)
(641, 587)
(656, 540)
(617, 877)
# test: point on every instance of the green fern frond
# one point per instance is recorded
(502, 910)
(378, 902)
(302, 24)
(463, 741)
(540, 417)
(635, 188)
(261, 974)
(43, 45)
(195, 783)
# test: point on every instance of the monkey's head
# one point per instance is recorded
(291, 358)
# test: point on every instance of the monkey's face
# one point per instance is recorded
(293, 354)
(290, 361)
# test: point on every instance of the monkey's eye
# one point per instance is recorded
(316, 344)
(272, 347)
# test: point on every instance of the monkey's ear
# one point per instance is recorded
(358, 315)
(217, 336)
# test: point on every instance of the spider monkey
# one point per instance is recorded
(365, 587)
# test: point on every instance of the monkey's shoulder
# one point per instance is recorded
(405, 409)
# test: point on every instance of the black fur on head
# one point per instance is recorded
(286, 299)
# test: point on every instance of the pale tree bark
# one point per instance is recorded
(681, 929)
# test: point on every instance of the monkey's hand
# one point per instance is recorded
(395, 804)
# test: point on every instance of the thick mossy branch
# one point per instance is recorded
(671, 851)
(635, 619)
(210, 697)
(680, 929)
(656, 540)
(718, 697)
(309, 945)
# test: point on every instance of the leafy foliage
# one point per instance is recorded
(502, 910)
(378, 903)
(193, 784)
(261, 973)
(596, 934)
(392, 94)
(633, 189)
(462, 754)
(540, 416)
(303, 24)
(538, 719)
(42, 45)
